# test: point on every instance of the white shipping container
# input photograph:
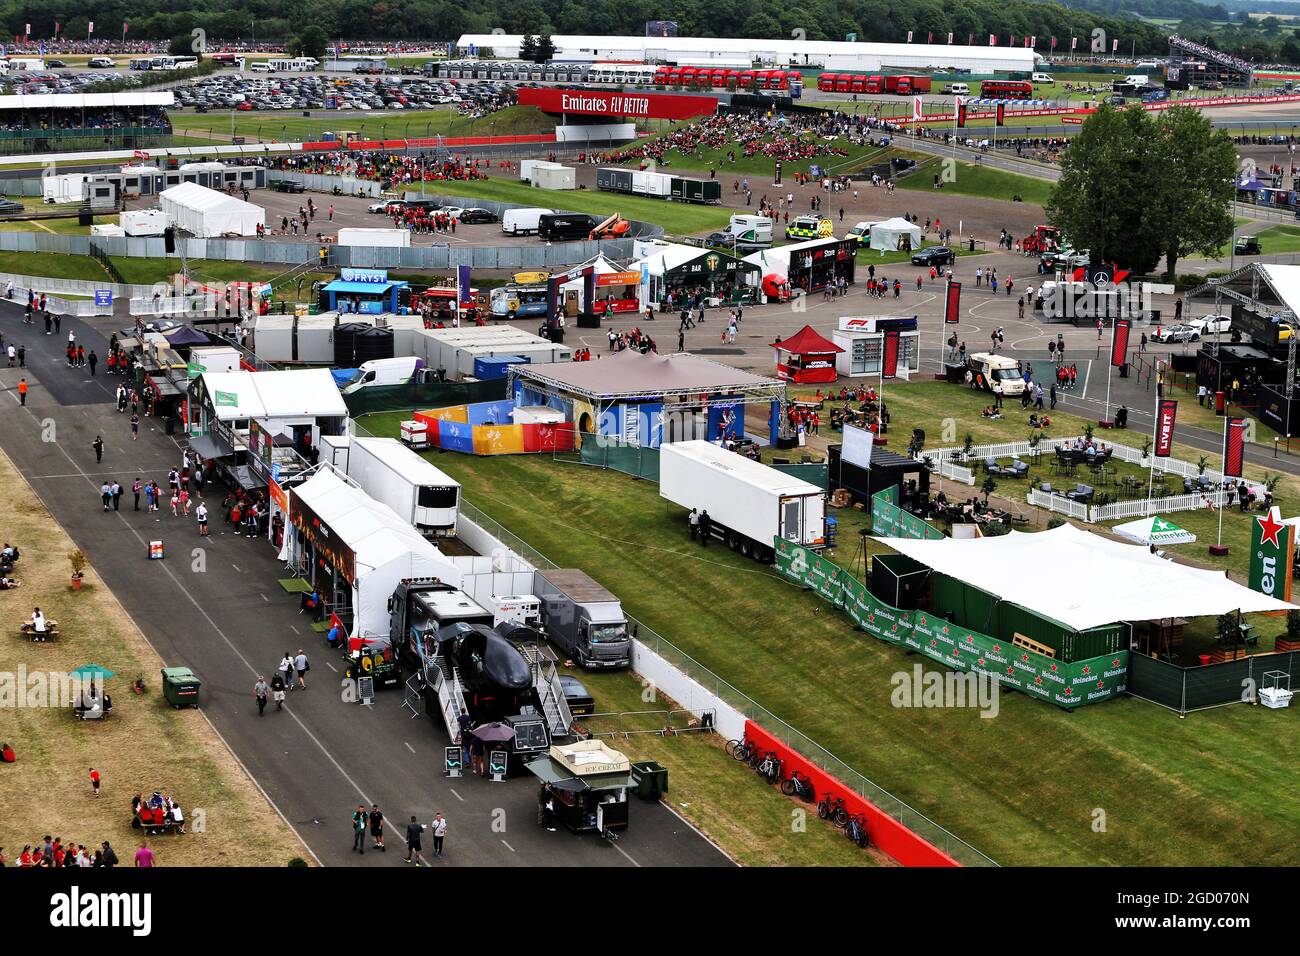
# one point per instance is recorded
(334, 451)
(743, 497)
(65, 188)
(215, 358)
(658, 184)
(273, 338)
(395, 475)
(143, 222)
(556, 177)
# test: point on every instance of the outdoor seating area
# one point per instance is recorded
(1017, 468)
(158, 814)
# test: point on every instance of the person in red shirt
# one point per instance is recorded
(94, 781)
(25, 858)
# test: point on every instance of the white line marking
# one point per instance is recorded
(456, 795)
(294, 628)
(408, 746)
(236, 567)
(331, 667)
(627, 855)
(510, 848)
(264, 597)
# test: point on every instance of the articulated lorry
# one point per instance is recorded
(393, 474)
(749, 504)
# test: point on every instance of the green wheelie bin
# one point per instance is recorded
(180, 687)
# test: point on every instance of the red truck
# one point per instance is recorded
(906, 85)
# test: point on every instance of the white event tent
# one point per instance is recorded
(208, 214)
(1084, 580)
(888, 234)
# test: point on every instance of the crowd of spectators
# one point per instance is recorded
(1209, 53)
(391, 169)
(788, 139)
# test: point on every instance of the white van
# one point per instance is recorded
(1041, 78)
(1137, 80)
(378, 372)
(261, 66)
(523, 222)
(958, 89)
(100, 63)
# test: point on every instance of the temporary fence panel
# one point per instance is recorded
(421, 395)
(890, 521)
(1185, 689)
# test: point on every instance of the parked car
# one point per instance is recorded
(576, 695)
(476, 215)
(1210, 324)
(1177, 333)
(934, 256)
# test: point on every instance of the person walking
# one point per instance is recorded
(135, 490)
(135, 427)
(301, 665)
(1053, 395)
(94, 781)
(105, 493)
(22, 356)
(413, 831)
(360, 819)
(22, 392)
(116, 491)
(201, 513)
(377, 828)
(98, 445)
(706, 527)
(286, 670)
(439, 831)
(260, 690)
(1142, 343)
(92, 360)
(277, 690)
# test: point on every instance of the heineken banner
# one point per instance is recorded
(810, 570)
(1271, 545)
(890, 521)
(1036, 675)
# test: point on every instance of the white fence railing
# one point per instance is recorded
(1141, 507)
(955, 472)
(1058, 503)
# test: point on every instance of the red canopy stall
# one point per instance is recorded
(806, 358)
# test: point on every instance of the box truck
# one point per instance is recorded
(749, 504)
(394, 475)
(582, 619)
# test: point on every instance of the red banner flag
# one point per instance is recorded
(1053, 43)
(961, 112)
(1002, 114)
(993, 40)
(929, 37)
(1119, 342)
(952, 302)
(1074, 43)
(889, 365)
(1166, 411)
(1234, 447)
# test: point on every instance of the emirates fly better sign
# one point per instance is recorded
(615, 104)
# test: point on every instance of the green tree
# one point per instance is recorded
(310, 42)
(545, 48)
(528, 47)
(1191, 195)
(184, 45)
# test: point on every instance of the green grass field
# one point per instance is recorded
(148, 271)
(291, 126)
(981, 181)
(705, 159)
(674, 217)
(1212, 789)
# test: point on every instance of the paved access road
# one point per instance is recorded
(229, 621)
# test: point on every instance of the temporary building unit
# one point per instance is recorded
(406, 331)
(208, 214)
(555, 176)
(64, 188)
(214, 358)
(872, 345)
(314, 338)
(109, 230)
(890, 234)
(365, 236)
(806, 358)
(456, 350)
(810, 265)
(141, 180)
(273, 338)
(287, 400)
(143, 222)
(356, 550)
(670, 265)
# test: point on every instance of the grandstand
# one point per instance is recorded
(1192, 63)
(67, 122)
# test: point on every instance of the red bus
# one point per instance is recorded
(1007, 89)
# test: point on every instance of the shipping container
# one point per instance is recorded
(696, 190)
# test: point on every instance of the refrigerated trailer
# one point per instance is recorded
(395, 475)
(749, 504)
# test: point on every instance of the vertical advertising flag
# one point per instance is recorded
(1119, 342)
(970, 39)
(1002, 114)
(1074, 43)
(464, 294)
(1114, 46)
(28, 32)
(993, 40)
(90, 28)
(918, 109)
(1234, 447)
(1053, 43)
(929, 37)
(952, 304)
(1033, 41)
(909, 36)
(889, 364)
(1166, 411)
(961, 111)
(949, 39)
(1271, 545)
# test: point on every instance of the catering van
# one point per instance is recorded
(997, 374)
(523, 222)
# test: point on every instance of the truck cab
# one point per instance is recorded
(997, 374)
(418, 608)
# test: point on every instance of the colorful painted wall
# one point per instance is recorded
(485, 428)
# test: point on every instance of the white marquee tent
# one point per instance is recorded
(385, 547)
(888, 234)
(208, 214)
(1084, 580)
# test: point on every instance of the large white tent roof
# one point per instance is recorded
(207, 213)
(1084, 580)
(291, 393)
(374, 532)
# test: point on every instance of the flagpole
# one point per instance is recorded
(1151, 474)
(1219, 542)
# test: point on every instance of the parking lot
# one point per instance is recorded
(343, 91)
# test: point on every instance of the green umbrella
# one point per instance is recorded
(91, 672)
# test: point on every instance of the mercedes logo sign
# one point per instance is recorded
(1100, 278)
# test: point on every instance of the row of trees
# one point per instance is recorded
(1137, 186)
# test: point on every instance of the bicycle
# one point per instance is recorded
(742, 750)
(733, 746)
(856, 830)
(832, 809)
(798, 785)
(769, 768)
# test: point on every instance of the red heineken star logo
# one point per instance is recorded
(1115, 662)
(922, 620)
(1024, 657)
(1011, 670)
(1101, 685)
(982, 662)
(945, 629)
(1269, 528)
(997, 648)
(1038, 681)
(934, 643)
(970, 639)
(1087, 669)
(871, 618)
(1053, 668)
(1069, 691)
